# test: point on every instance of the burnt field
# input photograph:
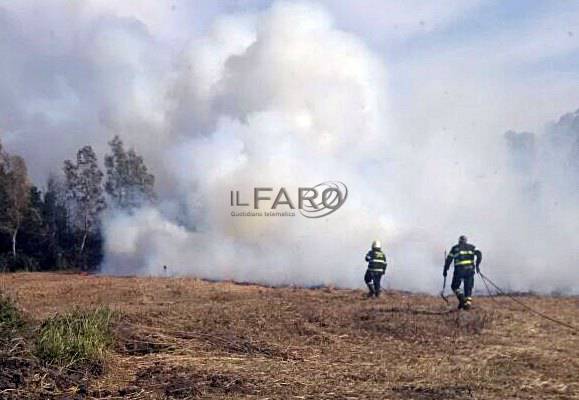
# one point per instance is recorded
(183, 338)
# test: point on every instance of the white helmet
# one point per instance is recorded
(376, 245)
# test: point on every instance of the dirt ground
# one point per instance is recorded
(184, 338)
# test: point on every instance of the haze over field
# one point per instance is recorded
(407, 105)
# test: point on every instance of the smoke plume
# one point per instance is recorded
(280, 98)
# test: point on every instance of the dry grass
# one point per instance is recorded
(185, 338)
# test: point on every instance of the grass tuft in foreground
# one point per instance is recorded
(77, 337)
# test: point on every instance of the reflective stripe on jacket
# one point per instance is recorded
(376, 261)
(463, 255)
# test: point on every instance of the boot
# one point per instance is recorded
(467, 303)
(370, 290)
(461, 302)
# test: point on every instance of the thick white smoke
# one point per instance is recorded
(280, 98)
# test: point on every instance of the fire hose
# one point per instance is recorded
(486, 280)
(444, 284)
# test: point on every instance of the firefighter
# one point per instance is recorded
(376, 268)
(463, 254)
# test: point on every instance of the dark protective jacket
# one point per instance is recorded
(463, 255)
(376, 261)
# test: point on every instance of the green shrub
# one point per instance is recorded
(11, 319)
(77, 337)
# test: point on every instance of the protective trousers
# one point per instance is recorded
(466, 275)
(372, 279)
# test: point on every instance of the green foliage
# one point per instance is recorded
(59, 227)
(11, 319)
(84, 191)
(129, 183)
(77, 337)
(59, 246)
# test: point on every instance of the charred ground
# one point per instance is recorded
(185, 338)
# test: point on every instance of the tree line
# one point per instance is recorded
(59, 227)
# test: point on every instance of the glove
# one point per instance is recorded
(444, 273)
(477, 269)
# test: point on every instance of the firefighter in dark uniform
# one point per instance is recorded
(463, 254)
(376, 268)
